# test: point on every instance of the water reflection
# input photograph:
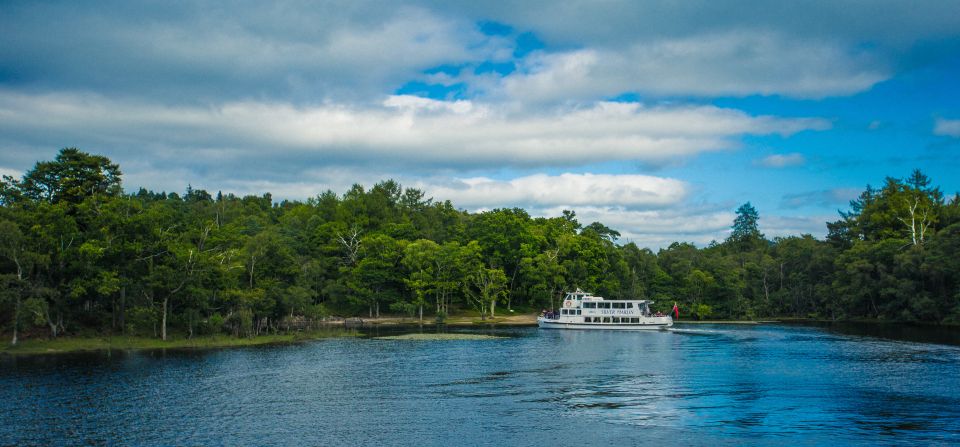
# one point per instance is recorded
(696, 385)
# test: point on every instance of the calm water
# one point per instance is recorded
(699, 385)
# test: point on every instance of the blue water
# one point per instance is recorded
(696, 385)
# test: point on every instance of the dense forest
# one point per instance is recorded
(78, 254)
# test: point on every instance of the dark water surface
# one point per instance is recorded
(695, 385)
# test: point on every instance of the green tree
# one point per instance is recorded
(419, 258)
(484, 287)
(13, 247)
(746, 232)
(72, 177)
(376, 277)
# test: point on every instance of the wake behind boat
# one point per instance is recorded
(581, 310)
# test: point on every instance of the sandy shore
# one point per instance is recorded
(500, 320)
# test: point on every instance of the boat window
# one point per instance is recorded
(629, 305)
(578, 311)
(634, 320)
(589, 305)
(616, 319)
(603, 305)
(606, 319)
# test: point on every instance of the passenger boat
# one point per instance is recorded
(581, 310)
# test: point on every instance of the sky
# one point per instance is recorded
(656, 118)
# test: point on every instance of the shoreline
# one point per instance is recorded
(81, 344)
(346, 328)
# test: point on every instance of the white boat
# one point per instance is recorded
(582, 310)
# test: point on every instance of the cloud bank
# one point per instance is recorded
(402, 131)
(518, 103)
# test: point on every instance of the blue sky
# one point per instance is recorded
(656, 118)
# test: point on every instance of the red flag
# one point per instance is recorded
(676, 311)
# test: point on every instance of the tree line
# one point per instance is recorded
(79, 254)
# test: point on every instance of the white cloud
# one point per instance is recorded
(781, 160)
(565, 190)
(287, 50)
(15, 173)
(945, 127)
(404, 131)
(732, 63)
(306, 52)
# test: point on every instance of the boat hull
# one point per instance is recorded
(664, 323)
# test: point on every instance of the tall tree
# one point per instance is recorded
(71, 177)
(746, 232)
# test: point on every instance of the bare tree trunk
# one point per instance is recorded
(16, 320)
(421, 313)
(766, 288)
(163, 325)
(53, 327)
(377, 303)
(493, 308)
(16, 309)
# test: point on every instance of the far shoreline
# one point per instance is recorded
(350, 327)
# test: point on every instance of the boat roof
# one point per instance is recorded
(587, 296)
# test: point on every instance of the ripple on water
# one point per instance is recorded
(710, 384)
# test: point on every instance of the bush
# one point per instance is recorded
(142, 321)
(212, 325)
(404, 308)
(316, 312)
(702, 311)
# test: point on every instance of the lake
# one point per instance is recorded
(694, 385)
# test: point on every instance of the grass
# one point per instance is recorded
(81, 344)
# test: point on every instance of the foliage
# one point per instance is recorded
(77, 253)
